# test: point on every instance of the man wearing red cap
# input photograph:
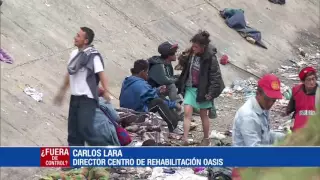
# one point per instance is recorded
(251, 124)
(303, 100)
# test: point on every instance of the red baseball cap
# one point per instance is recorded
(304, 72)
(270, 84)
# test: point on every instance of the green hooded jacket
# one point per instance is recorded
(160, 72)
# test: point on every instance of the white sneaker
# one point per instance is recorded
(178, 131)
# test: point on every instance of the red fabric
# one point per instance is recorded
(235, 174)
(270, 85)
(224, 60)
(303, 73)
(304, 105)
(123, 136)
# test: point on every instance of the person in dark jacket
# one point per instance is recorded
(161, 70)
(200, 81)
(138, 95)
(183, 60)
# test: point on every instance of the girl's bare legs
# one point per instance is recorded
(187, 121)
(205, 126)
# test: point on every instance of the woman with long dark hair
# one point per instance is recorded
(200, 82)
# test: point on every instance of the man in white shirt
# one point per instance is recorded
(85, 71)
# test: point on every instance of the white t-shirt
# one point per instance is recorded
(78, 81)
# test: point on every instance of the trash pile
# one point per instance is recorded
(240, 89)
(32, 92)
(175, 173)
(81, 174)
(148, 129)
(157, 173)
(304, 59)
(244, 89)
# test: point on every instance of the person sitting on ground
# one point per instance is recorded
(200, 82)
(138, 95)
(105, 114)
(303, 100)
(251, 125)
(161, 70)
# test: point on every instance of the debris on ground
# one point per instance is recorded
(80, 174)
(217, 135)
(33, 93)
(143, 126)
(158, 173)
(224, 60)
(281, 2)
(241, 89)
(223, 173)
(4, 56)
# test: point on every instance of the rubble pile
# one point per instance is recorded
(240, 89)
(304, 59)
(244, 89)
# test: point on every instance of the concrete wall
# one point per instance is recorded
(39, 34)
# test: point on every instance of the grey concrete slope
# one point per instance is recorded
(39, 34)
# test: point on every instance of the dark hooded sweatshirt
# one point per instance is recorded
(160, 72)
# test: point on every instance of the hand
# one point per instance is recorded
(106, 96)
(178, 106)
(208, 97)
(162, 89)
(58, 99)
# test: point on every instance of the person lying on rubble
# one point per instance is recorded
(138, 95)
(105, 113)
(303, 100)
(251, 125)
(200, 82)
(161, 70)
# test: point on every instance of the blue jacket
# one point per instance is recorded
(251, 126)
(136, 93)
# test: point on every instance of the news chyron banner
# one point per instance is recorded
(159, 156)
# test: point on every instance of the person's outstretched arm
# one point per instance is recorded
(63, 89)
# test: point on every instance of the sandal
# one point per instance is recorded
(205, 142)
(185, 142)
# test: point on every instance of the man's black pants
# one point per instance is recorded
(168, 115)
(80, 121)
